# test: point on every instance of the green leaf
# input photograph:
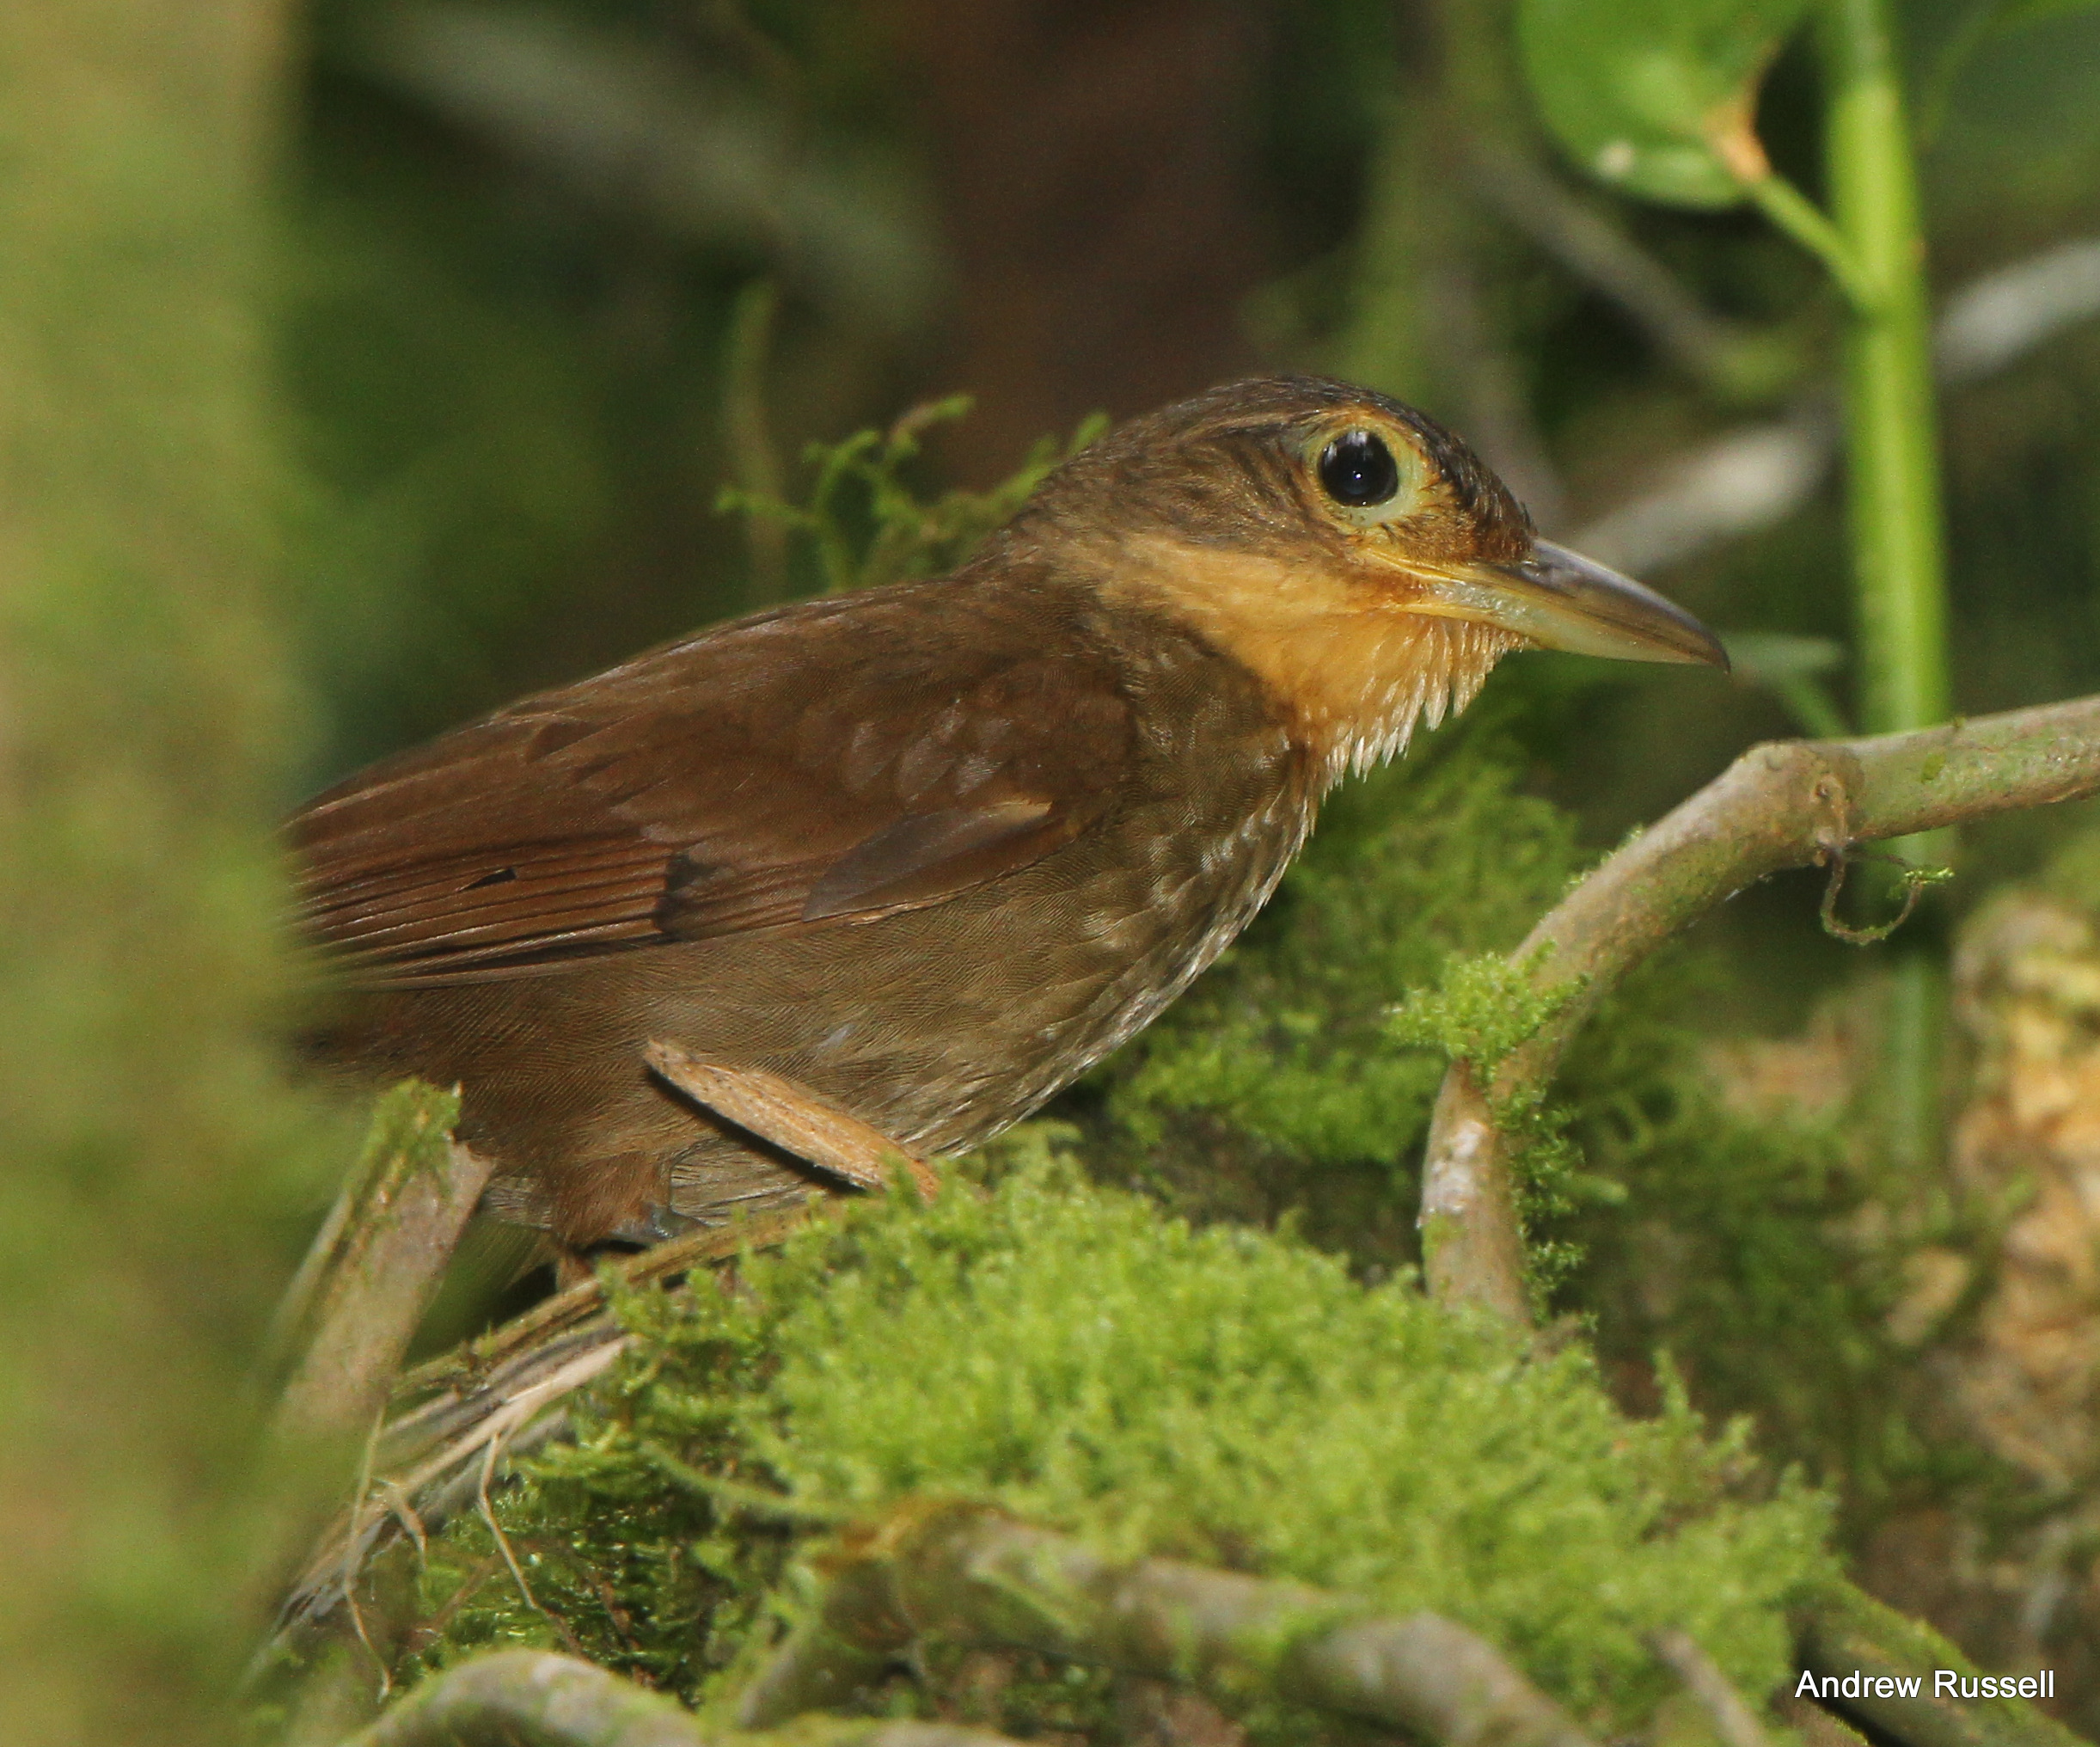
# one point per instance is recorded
(1657, 97)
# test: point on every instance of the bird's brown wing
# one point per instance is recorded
(832, 761)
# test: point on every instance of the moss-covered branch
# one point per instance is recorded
(1843, 1631)
(376, 1264)
(534, 1698)
(972, 1577)
(1793, 803)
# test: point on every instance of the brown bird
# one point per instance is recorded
(929, 850)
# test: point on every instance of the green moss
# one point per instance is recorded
(1221, 1394)
(1760, 1251)
(410, 1134)
(862, 523)
(1484, 1005)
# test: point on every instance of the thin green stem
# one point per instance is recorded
(1891, 424)
(1895, 518)
(1799, 216)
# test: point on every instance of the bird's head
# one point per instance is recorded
(1350, 551)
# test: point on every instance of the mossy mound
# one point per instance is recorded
(1225, 1395)
(1662, 1216)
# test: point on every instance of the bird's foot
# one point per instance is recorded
(786, 1114)
(645, 1228)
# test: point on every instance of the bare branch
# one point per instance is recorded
(534, 1698)
(1733, 1721)
(376, 1264)
(975, 1578)
(1791, 804)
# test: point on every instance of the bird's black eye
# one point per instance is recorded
(1357, 469)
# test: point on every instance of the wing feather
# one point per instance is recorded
(829, 761)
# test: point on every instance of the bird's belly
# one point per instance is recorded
(942, 1026)
(939, 1026)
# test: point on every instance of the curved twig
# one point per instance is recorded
(1791, 804)
(1730, 1713)
(973, 1576)
(535, 1698)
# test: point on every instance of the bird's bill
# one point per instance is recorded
(1558, 599)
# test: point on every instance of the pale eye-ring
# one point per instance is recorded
(1357, 470)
